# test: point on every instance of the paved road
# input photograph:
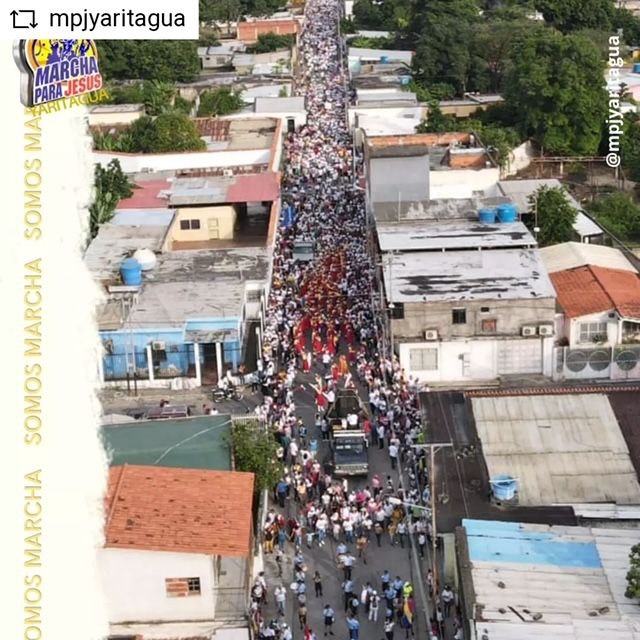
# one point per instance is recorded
(323, 559)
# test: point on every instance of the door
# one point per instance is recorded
(214, 228)
(291, 125)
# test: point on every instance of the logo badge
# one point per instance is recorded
(56, 69)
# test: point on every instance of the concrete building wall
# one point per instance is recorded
(216, 223)
(135, 588)
(394, 179)
(575, 333)
(509, 315)
(519, 158)
(136, 162)
(114, 117)
(461, 183)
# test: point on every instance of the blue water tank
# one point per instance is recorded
(487, 215)
(504, 487)
(636, 67)
(384, 59)
(507, 212)
(131, 272)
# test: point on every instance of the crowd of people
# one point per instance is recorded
(321, 322)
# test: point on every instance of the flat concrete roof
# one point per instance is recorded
(416, 236)
(293, 104)
(563, 449)
(392, 55)
(197, 284)
(430, 276)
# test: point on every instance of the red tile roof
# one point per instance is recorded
(179, 510)
(256, 187)
(146, 195)
(590, 289)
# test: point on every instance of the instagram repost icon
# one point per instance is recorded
(56, 69)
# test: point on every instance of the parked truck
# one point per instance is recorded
(348, 441)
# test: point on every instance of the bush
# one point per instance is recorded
(268, 42)
(219, 102)
(254, 450)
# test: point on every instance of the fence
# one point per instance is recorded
(116, 366)
(618, 363)
(175, 361)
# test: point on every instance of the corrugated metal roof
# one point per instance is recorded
(568, 255)
(562, 449)
(572, 602)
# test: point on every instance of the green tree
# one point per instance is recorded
(436, 121)
(618, 213)
(555, 88)
(268, 42)
(157, 96)
(111, 185)
(441, 33)
(556, 216)
(569, 15)
(220, 11)
(630, 25)
(168, 132)
(633, 575)
(162, 60)
(630, 147)
(219, 102)
(254, 450)
(182, 105)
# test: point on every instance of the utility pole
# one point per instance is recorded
(433, 449)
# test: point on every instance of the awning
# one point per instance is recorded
(206, 336)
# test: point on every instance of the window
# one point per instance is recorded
(397, 313)
(423, 359)
(484, 309)
(185, 225)
(593, 332)
(182, 587)
(459, 316)
(489, 326)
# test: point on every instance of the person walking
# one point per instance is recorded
(281, 599)
(374, 606)
(393, 454)
(329, 616)
(279, 560)
(302, 616)
(377, 529)
(361, 544)
(447, 599)
(354, 628)
(317, 583)
(385, 579)
(388, 629)
(347, 591)
(422, 541)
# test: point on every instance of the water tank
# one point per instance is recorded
(507, 213)
(487, 215)
(636, 67)
(504, 487)
(146, 258)
(131, 272)
(384, 59)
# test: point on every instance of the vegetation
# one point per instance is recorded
(374, 43)
(555, 86)
(630, 147)
(385, 16)
(499, 140)
(111, 185)
(171, 131)
(555, 215)
(347, 26)
(219, 102)
(254, 450)
(220, 10)
(569, 15)
(618, 213)
(157, 97)
(633, 575)
(268, 42)
(161, 60)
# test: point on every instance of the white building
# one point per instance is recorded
(177, 555)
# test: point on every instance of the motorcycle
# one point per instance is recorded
(229, 393)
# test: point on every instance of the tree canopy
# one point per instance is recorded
(569, 15)
(161, 60)
(268, 42)
(618, 213)
(555, 215)
(111, 185)
(219, 102)
(555, 87)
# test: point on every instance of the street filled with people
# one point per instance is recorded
(322, 336)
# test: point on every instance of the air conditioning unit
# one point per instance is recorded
(158, 345)
(431, 334)
(227, 173)
(528, 330)
(545, 330)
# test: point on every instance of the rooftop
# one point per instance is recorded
(198, 284)
(179, 510)
(436, 209)
(191, 443)
(422, 235)
(293, 104)
(508, 274)
(536, 581)
(593, 289)
(118, 108)
(147, 194)
(143, 217)
(568, 255)
(237, 134)
(563, 449)
(257, 187)
(383, 124)
(392, 55)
